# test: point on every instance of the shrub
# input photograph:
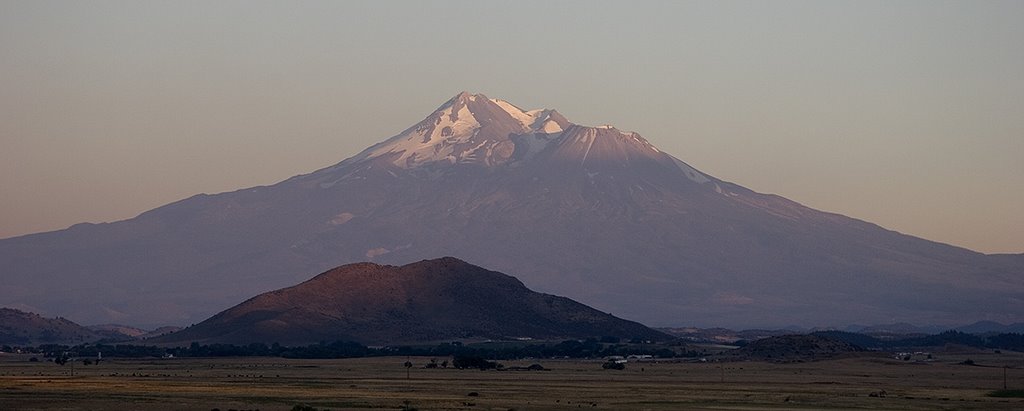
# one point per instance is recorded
(471, 361)
(1007, 393)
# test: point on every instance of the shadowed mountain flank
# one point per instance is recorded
(434, 300)
(22, 328)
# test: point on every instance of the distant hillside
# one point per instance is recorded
(894, 329)
(982, 327)
(432, 300)
(159, 332)
(795, 347)
(118, 332)
(22, 328)
(721, 335)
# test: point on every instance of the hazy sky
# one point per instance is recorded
(906, 114)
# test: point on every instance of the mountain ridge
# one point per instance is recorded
(18, 327)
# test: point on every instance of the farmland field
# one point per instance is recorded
(866, 382)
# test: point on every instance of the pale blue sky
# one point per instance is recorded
(909, 114)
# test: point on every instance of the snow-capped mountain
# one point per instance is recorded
(474, 130)
(468, 129)
(592, 213)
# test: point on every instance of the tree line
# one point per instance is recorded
(1004, 341)
(590, 348)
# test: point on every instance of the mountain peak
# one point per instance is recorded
(463, 97)
(607, 145)
(474, 129)
(477, 131)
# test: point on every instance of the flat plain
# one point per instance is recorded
(865, 382)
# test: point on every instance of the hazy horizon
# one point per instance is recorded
(904, 114)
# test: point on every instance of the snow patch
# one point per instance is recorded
(535, 120)
(550, 126)
(690, 172)
(589, 137)
(523, 117)
(431, 143)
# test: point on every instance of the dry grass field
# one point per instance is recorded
(367, 383)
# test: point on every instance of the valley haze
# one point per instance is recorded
(596, 214)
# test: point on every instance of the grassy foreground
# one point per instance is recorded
(868, 382)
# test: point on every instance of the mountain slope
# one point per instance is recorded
(593, 213)
(22, 328)
(117, 332)
(432, 300)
